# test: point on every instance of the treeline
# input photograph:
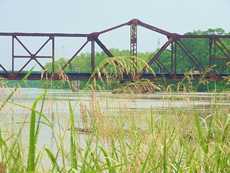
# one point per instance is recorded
(82, 63)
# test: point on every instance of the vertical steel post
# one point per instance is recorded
(133, 39)
(172, 52)
(12, 47)
(210, 51)
(173, 57)
(133, 44)
(53, 53)
(93, 57)
(214, 51)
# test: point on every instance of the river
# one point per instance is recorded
(16, 112)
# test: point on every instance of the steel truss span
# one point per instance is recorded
(173, 43)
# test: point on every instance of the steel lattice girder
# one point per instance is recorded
(174, 40)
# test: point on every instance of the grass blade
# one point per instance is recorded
(73, 149)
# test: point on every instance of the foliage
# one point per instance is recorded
(137, 87)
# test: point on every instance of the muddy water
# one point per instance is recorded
(16, 112)
(56, 103)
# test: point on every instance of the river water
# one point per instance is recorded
(56, 102)
(16, 111)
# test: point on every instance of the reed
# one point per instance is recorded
(174, 140)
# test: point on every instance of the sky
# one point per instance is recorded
(85, 16)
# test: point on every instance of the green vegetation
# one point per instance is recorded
(150, 140)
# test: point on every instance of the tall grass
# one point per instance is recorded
(133, 141)
(146, 141)
(35, 120)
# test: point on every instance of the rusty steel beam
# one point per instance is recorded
(133, 44)
(43, 45)
(133, 39)
(23, 45)
(75, 55)
(223, 48)
(53, 53)
(42, 34)
(22, 68)
(93, 56)
(210, 51)
(161, 66)
(86, 76)
(3, 68)
(150, 27)
(39, 63)
(156, 56)
(190, 55)
(162, 49)
(201, 36)
(173, 58)
(28, 56)
(155, 29)
(31, 55)
(103, 47)
(113, 28)
(12, 53)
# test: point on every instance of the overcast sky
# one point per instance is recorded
(90, 15)
(84, 16)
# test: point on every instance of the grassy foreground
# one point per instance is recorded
(173, 140)
(147, 141)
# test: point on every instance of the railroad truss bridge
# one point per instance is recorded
(217, 54)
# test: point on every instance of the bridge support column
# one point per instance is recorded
(210, 51)
(133, 43)
(53, 53)
(93, 57)
(133, 39)
(173, 57)
(12, 48)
